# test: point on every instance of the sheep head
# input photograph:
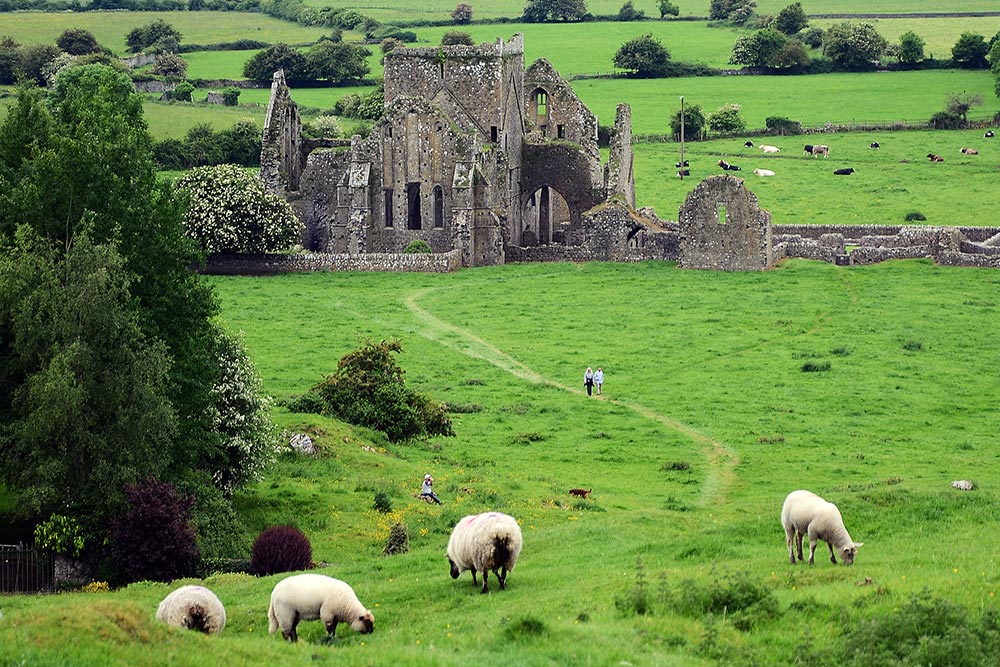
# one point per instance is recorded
(364, 623)
(848, 552)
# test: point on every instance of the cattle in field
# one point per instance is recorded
(763, 172)
(989, 133)
(844, 172)
(822, 149)
(728, 167)
(969, 151)
(808, 149)
(874, 144)
(748, 144)
(933, 157)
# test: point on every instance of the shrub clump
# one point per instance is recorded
(280, 549)
(736, 596)
(914, 215)
(418, 246)
(154, 539)
(382, 503)
(815, 366)
(399, 540)
(924, 631)
(367, 389)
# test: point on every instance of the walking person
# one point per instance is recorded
(598, 379)
(588, 380)
(427, 489)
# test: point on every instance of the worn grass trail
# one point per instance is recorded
(721, 459)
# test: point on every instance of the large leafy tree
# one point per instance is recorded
(791, 19)
(854, 47)
(645, 56)
(736, 11)
(970, 51)
(263, 64)
(76, 173)
(546, 11)
(156, 35)
(85, 405)
(78, 42)
(911, 48)
(758, 49)
(337, 62)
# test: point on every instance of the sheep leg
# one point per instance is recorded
(798, 544)
(331, 627)
(789, 542)
(290, 634)
(474, 576)
(502, 577)
(833, 559)
(812, 549)
(486, 573)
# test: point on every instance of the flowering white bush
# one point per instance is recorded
(229, 211)
(240, 416)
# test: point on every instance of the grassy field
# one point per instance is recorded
(440, 10)
(889, 182)
(707, 421)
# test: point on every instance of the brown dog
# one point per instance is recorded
(582, 493)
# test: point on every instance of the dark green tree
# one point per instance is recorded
(644, 56)
(10, 59)
(88, 409)
(82, 160)
(736, 11)
(911, 48)
(791, 56)
(78, 42)
(853, 47)
(453, 37)
(158, 34)
(338, 62)
(462, 14)
(628, 12)
(34, 59)
(263, 64)
(970, 51)
(791, 19)
(694, 123)
(668, 8)
(182, 91)
(552, 11)
(170, 66)
(758, 49)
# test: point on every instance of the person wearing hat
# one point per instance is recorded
(427, 490)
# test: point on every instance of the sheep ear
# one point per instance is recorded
(858, 544)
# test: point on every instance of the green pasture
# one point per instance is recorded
(706, 423)
(173, 119)
(888, 183)
(440, 10)
(110, 28)
(229, 64)
(939, 34)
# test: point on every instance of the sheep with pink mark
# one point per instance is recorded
(806, 514)
(488, 542)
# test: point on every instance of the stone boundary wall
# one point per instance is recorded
(262, 265)
(974, 234)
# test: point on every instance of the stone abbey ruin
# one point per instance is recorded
(490, 162)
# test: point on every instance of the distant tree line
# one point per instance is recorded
(203, 146)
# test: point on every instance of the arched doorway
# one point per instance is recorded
(544, 218)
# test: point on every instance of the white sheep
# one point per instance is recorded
(194, 608)
(769, 149)
(805, 513)
(483, 543)
(763, 172)
(308, 597)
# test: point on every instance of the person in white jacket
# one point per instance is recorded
(427, 489)
(598, 379)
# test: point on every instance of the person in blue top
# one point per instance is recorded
(427, 489)
(598, 379)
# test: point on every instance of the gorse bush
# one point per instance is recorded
(154, 539)
(280, 549)
(382, 503)
(399, 540)
(368, 390)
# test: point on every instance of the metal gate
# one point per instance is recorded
(24, 570)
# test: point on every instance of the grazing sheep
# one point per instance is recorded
(581, 493)
(805, 513)
(969, 151)
(874, 144)
(989, 133)
(769, 149)
(308, 597)
(193, 608)
(484, 543)
(763, 172)
(844, 172)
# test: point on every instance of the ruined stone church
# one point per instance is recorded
(473, 154)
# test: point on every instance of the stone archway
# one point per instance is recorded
(544, 218)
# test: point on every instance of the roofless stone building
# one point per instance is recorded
(474, 153)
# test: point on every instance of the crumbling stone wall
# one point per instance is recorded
(722, 227)
(619, 179)
(615, 232)
(280, 158)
